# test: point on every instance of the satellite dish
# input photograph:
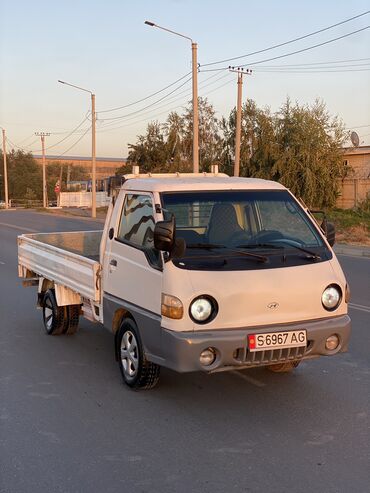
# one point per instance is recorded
(355, 139)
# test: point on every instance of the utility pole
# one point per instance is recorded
(93, 155)
(5, 172)
(44, 188)
(194, 48)
(240, 72)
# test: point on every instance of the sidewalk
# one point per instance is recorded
(77, 212)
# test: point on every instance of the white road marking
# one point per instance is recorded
(19, 228)
(2, 263)
(249, 379)
(362, 308)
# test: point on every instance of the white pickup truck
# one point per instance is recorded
(196, 272)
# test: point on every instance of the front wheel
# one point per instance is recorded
(137, 371)
(55, 317)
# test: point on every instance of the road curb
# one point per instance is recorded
(352, 250)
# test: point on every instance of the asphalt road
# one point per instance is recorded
(68, 424)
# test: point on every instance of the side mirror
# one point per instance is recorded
(164, 235)
(330, 233)
(327, 228)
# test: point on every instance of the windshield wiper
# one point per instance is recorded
(211, 246)
(311, 255)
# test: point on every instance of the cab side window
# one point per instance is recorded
(137, 226)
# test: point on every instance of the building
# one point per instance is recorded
(105, 166)
(358, 161)
(355, 188)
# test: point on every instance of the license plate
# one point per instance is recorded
(277, 340)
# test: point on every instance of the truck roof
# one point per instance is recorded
(173, 183)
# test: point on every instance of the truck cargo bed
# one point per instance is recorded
(68, 259)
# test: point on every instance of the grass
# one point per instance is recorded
(352, 225)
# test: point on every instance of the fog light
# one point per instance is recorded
(207, 357)
(332, 342)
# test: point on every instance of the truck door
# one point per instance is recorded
(133, 267)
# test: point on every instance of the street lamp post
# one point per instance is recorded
(93, 145)
(194, 49)
(5, 172)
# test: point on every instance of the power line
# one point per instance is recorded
(310, 71)
(15, 145)
(67, 136)
(318, 63)
(311, 67)
(73, 145)
(293, 52)
(311, 47)
(27, 138)
(165, 111)
(151, 104)
(143, 99)
(146, 97)
(171, 100)
(286, 42)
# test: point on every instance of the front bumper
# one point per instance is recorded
(181, 350)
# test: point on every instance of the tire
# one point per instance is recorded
(283, 367)
(55, 317)
(137, 372)
(73, 317)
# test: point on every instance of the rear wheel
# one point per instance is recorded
(73, 317)
(137, 371)
(284, 367)
(54, 316)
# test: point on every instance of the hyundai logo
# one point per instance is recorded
(273, 305)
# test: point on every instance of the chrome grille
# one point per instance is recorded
(270, 356)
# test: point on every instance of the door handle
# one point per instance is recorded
(113, 262)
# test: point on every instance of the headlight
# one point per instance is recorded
(203, 309)
(331, 297)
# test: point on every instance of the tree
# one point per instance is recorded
(210, 141)
(309, 155)
(23, 174)
(150, 151)
(169, 146)
(300, 146)
(257, 147)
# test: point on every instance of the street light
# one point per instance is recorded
(5, 171)
(194, 48)
(93, 151)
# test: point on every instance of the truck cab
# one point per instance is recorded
(247, 279)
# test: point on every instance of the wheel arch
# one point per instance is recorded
(44, 286)
(119, 316)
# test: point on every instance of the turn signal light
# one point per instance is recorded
(171, 307)
(347, 295)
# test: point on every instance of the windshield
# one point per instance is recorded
(238, 217)
(245, 221)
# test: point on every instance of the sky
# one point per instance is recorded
(105, 47)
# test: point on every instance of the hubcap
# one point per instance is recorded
(48, 314)
(129, 354)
